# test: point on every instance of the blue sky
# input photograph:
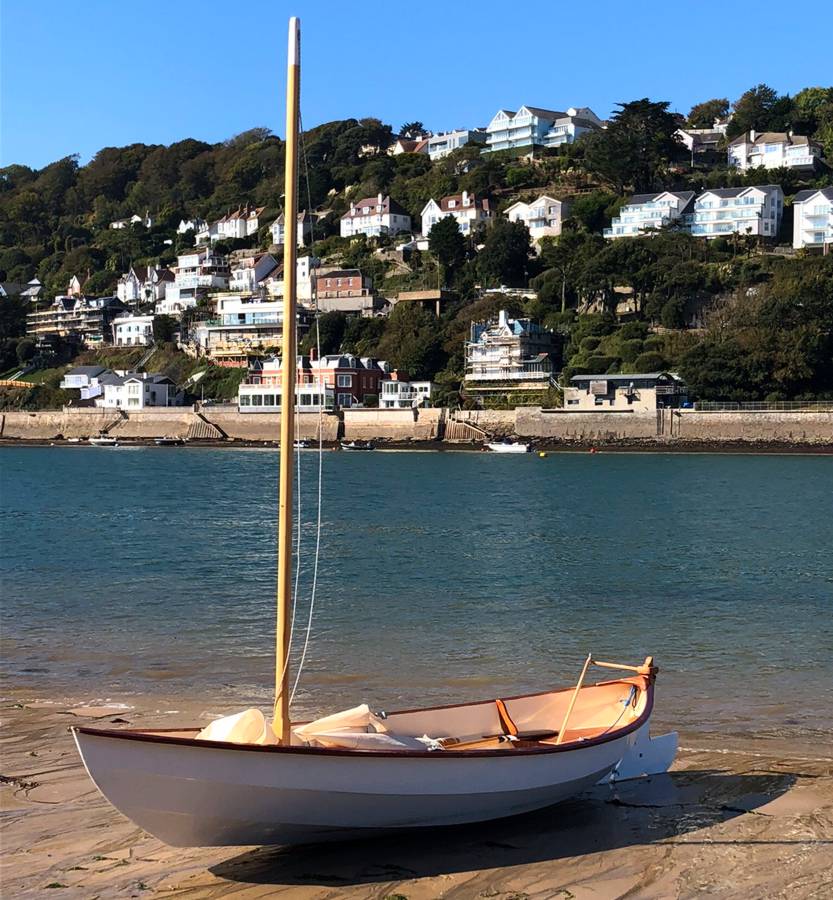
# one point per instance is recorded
(78, 76)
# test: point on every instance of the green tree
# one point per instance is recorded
(448, 246)
(703, 115)
(330, 332)
(636, 148)
(412, 341)
(504, 258)
(164, 328)
(760, 108)
(412, 130)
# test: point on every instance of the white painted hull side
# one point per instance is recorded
(195, 794)
(508, 448)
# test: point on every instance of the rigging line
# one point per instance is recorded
(314, 586)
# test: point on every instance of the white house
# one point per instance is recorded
(509, 356)
(195, 225)
(773, 150)
(440, 145)
(399, 394)
(304, 279)
(147, 220)
(543, 217)
(813, 218)
(251, 272)
(467, 210)
(132, 331)
(743, 210)
(374, 216)
(303, 231)
(84, 379)
(408, 145)
(239, 223)
(645, 212)
(531, 127)
(137, 390)
(196, 272)
(144, 284)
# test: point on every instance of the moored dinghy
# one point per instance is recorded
(243, 780)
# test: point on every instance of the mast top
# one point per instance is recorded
(293, 52)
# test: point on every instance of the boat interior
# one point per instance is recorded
(535, 721)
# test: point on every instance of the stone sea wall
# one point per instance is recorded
(665, 427)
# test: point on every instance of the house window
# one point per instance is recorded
(345, 380)
(345, 400)
(244, 400)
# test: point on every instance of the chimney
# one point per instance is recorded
(380, 199)
(465, 198)
(752, 134)
(502, 318)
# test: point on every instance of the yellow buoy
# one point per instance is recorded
(542, 454)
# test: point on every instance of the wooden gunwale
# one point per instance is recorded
(161, 736)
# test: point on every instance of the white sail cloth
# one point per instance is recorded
(355, 729)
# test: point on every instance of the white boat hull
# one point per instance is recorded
(508, 448)
(201, 795)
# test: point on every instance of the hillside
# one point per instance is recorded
(54, 223)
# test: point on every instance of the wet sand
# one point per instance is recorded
(753, 821)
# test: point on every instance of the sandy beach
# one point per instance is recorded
(752, 821)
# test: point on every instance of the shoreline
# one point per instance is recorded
(537, 445)
(754, 815)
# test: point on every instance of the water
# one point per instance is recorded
(149, 572)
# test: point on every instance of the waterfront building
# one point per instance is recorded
(773, 150)
(543, 217)
(346, 290)
(338, 379)
(467, 210)
(399, 392)
(196, 273)
(743, 210)
(85, 380)
(813, 219)
(509, 356)
(137, 390)
(374, 216)
(647, 212)
(133, 331)
(532, 127)
(440, 145)
(86, 319)
(144, 284)
(303, 232)
(645, 392)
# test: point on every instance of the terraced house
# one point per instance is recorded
(644, 212)
(742, 210)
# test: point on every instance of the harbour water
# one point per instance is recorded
(143, 573)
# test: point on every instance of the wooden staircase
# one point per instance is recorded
(201, 429)
(463, 432)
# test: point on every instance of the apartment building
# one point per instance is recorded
(646, 212)
(534, 127)
(813, 219)
(543, 217)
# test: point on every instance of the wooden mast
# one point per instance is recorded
(288, 378)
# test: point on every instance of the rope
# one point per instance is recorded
(319, 385)
(625, 704)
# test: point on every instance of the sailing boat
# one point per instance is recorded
(243, 781)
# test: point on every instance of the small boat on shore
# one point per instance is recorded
(103, 440)
(244, 779)
(302, 445)
(507, 447)
(169, 441)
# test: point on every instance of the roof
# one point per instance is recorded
(90, 371)
(472, 202)
(341, 273)
(634, 376)
(153, 377)
(801, 196)
(303, 216)
(546, 113)
(727, 193)
(388, 206)
(771, 137)
(685, 197)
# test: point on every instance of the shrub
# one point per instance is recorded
(589, 344)
(599, 363)
(630, 350)
(650, 362)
